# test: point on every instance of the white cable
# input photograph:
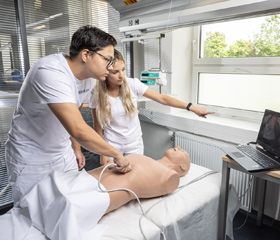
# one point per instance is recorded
(128, 190)
(198, 178)
(170, 7)
(4, 189)
(248, 188)
(250, 202)
(167, 25)
(144, 213)
(179, 189)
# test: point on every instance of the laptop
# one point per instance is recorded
(265, 154)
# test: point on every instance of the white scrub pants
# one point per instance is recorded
(136, 147)
(23, 177)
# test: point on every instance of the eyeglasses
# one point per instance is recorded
(110, 62)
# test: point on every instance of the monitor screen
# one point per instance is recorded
(269, 134)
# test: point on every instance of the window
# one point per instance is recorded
(255, 37)
(11, 62)
(49, 28)
(236, 66)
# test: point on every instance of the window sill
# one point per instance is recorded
(217, 127)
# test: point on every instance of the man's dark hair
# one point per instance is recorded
(92, 38)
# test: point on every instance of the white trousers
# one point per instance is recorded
(136, 147)
(22, 177)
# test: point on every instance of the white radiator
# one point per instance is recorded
(207, 153)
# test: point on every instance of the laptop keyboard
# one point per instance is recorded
(258, 156)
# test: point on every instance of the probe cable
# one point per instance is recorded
(4, 189)
(144, 214)
(178, 190)
(128, 190)
(249, 188)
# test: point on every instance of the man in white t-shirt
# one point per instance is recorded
(47, 114)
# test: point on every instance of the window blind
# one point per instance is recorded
(50, 24)
(48, 28)
(11, 64)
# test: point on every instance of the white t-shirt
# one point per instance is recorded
(123, 129)
(36, 135)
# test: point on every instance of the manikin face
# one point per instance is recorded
(179, 158)
(97, 65)
(117, 74)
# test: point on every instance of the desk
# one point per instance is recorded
(228, 163)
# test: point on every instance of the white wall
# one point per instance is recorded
(182, 63)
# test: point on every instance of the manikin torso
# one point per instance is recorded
(148, 178)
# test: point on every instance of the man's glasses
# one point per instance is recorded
(110, 62)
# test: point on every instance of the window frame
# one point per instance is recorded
(253, 65)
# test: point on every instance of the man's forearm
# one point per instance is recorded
(72, 120)
(93, 142)
(75, 145)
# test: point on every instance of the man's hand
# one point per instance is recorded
(123, 164)
(200, 111)
(104, 160)
(81, 160)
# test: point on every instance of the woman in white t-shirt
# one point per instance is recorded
(114, 110)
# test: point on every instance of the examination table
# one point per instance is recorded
(191, 212)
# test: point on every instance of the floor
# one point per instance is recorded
(270, 230)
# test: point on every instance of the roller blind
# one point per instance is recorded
(50, 24)
(11, 62)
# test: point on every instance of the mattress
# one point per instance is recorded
(191, 212)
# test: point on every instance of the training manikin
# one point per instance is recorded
(72, 204)
(149, 178)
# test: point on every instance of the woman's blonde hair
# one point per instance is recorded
(103, 105)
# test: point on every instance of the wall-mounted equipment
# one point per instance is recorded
(151, 16)
(152, 77)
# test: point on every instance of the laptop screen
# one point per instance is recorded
(269, 134)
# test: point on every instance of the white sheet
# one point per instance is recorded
(62, 206)
(189, 213)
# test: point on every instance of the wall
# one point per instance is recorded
(182, 63)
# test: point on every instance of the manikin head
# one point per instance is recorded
(177, 159)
